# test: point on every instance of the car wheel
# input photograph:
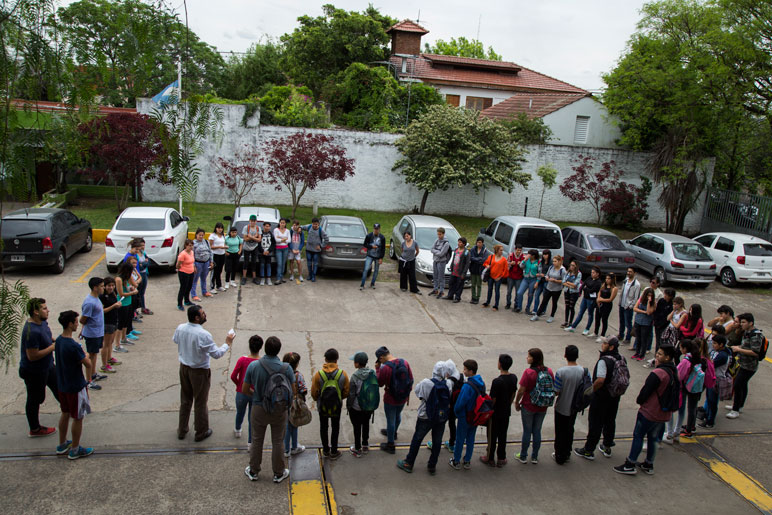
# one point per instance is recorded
(112, 269)
(659, 273)
(58, 266)
(392, 253)
(89, 243)
(728, 278)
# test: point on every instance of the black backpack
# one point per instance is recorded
(583, 394)
(670, 400)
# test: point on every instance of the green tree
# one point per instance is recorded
(127, 49)
(527, 131)
(253, 73)
(292, 106)
(321, 47)
(462, 47)
(548, 175)
(454, 147)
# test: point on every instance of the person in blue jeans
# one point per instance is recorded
(291, 446)
(375, 243)
(721, 355)
(590, 289)
(629, 292)
(203, 256)
(467, 398)
(544, 265)
(396, 377)
(281, 236)
(244, 401)
(532, 415)
(530, 268)
(316, 241)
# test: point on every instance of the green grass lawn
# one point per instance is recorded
(101, 213)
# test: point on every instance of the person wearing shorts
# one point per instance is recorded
(110, 308)
(93, 321)
(73, 387)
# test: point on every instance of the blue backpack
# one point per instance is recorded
(438, 403)
(695, 382)
(401, 382)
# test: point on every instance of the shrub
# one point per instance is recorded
(626, 205)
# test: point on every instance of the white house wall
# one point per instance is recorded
(602, 131)
(498, 95)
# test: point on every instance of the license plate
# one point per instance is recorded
(346, 251)
(761, 274)
(613, 260)
(18, 259)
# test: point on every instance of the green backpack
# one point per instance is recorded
(330, 400)
(369, 397)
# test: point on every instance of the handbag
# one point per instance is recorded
(300, 414)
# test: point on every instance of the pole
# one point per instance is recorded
(179, 100)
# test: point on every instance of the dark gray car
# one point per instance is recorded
(345, 249)
(591, 246)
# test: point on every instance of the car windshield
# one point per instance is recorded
(538, 238)
(690, 252)
(141, 224)
(758, 249)
(343, 230)
(17, 228)
(605, 242)
(426, 236)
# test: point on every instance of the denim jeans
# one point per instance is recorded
(494, 285)
(281, 261)
(464, 434)
(265, 267)
(526, 284)
(512, 285)
(290, 437)
(312, 260)
(141, 291)
(422, 427)
(368, 263)
(589, 306)
(652, 431)
(537, 295)
(532, 422)
(643, 337)
(625, 324)
(393, 418)
(202, 270)
(711, 405)
(244, 405)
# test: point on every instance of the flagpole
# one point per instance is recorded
(179, 103)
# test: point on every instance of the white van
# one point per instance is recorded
(531, 233)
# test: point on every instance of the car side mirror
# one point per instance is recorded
(185, 219)
(228, 218)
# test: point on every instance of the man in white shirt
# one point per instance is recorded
(195, 346)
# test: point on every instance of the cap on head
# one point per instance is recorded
(376, 226)
(613, 341)
(360, 358)
(252, 217)
(381, 352)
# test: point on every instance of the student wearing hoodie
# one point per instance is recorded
(456, 378)
(464, 404)
(651, 417)
(316, 241)
(691, 393)
(434, 394)
(329, 387)
(360, 418)
(720, 355)
(440, 254)
(266, 248)
(477, 257)
(459, 264)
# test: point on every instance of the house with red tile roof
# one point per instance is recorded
(500, 89)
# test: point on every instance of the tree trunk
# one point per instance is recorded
(423, 202)
(541, 201)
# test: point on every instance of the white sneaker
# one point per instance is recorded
(668, 439)
(226, 286)
(585, 332)
(279, 479)
(292, 277)
(298, 449)
(234, 284)
(286, 454)
(599, 340)
(550, 320)
(237, 433)
(213, 291)
(301, 278)
(534, 318)
(733, 414)
(221, 288)
(262, 282)
(731, 408)
(269, 282)
(569, 329)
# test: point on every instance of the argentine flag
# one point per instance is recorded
(169, 95)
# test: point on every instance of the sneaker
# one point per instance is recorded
(449, 447)
(237, 433)
(403, 465)
(550, 320)
(626, 468)
(534, 460)
(429, 445)
(298, 449)
(467, 465)
(733, 414)
(187, 303)
(355, 452)
(388, 448)
(605, 451)
(586, 332)
(372, 286)
(301, 279)
(208, 294)
(284, 475)
(136, 333)
(668, 439)
(251, 475)
(555, 458)
(501, 463)
(286, 454)
(267, 282)
(132, 337)
(599, 340)
(365, 449)
(261, 282)
(93, 386)
(731, 408)
(485, 460)
(646, 467)
(127, 341)
(335, 455)
(243, 282)
(534, 318)
(98, 377)
(235, 284)
(41, 431)
(120, 349)
(454, 464)
(706, 425)
(180, 308)
(225, 286)
(63, 448)
(138, 320)
(485, 304)
(433, 292)
(361, 288)
(432, 471)
(197, 298)
(522, 459)
(569, 329)
(685, 434)
(222, 288)
(108, 369)
(114, 361)
(584, 453)
(80, 452)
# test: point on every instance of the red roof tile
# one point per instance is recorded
(535, 105)
(407, 26)
(463, 71)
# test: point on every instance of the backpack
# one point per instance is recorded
(620, 378)
(277, 390)
(438, 403)
(543, 394)
(457, 384)
(583, 394)
(401, 382)
(482, 410)
(695, 382)
(670, 400)
(330, 400)
(369, 397)
(764, 348)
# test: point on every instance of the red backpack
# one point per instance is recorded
(482, 410)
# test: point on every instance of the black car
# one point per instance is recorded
(43, 237)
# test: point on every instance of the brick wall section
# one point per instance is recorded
(406, 43)
(376, 187)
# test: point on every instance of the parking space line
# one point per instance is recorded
(82, 278)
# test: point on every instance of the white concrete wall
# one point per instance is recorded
(376, 187)
(603, 132)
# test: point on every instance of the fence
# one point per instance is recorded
(734, 211)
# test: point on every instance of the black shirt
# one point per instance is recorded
(503, 389)
(108, 299)
(591, 286)
(661, 312)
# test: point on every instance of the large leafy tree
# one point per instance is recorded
(127, 49)
(454, 147)
(253, 73)
(321, 47)
(462, 47)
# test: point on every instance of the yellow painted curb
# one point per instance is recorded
(99, 235)
(745, 485)
(308, 497)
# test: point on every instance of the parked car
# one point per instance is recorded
(591, 246)
(531, 233)
(240, 218)
(424, 231)
(673, 258)
(163, 229)
(739, 257)
(43, 237)
(345, 249)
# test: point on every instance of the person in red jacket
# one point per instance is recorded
(693, 327)
(243, 401)
(515, 275)
(396, 377)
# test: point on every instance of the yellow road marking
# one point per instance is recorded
(82, 278)
(308, 498)
(745, 485)
(333, 507)
(768, 359)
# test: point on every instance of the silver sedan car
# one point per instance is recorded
(345, 249)
(673, 258)
(424, 231)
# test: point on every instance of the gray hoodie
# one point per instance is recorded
(317, 239)
(357, 378)
(423, 389)
(441, 250)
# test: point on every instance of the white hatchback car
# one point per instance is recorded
(163, 229)
(739, 257)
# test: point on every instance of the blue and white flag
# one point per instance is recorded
(169, 95)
